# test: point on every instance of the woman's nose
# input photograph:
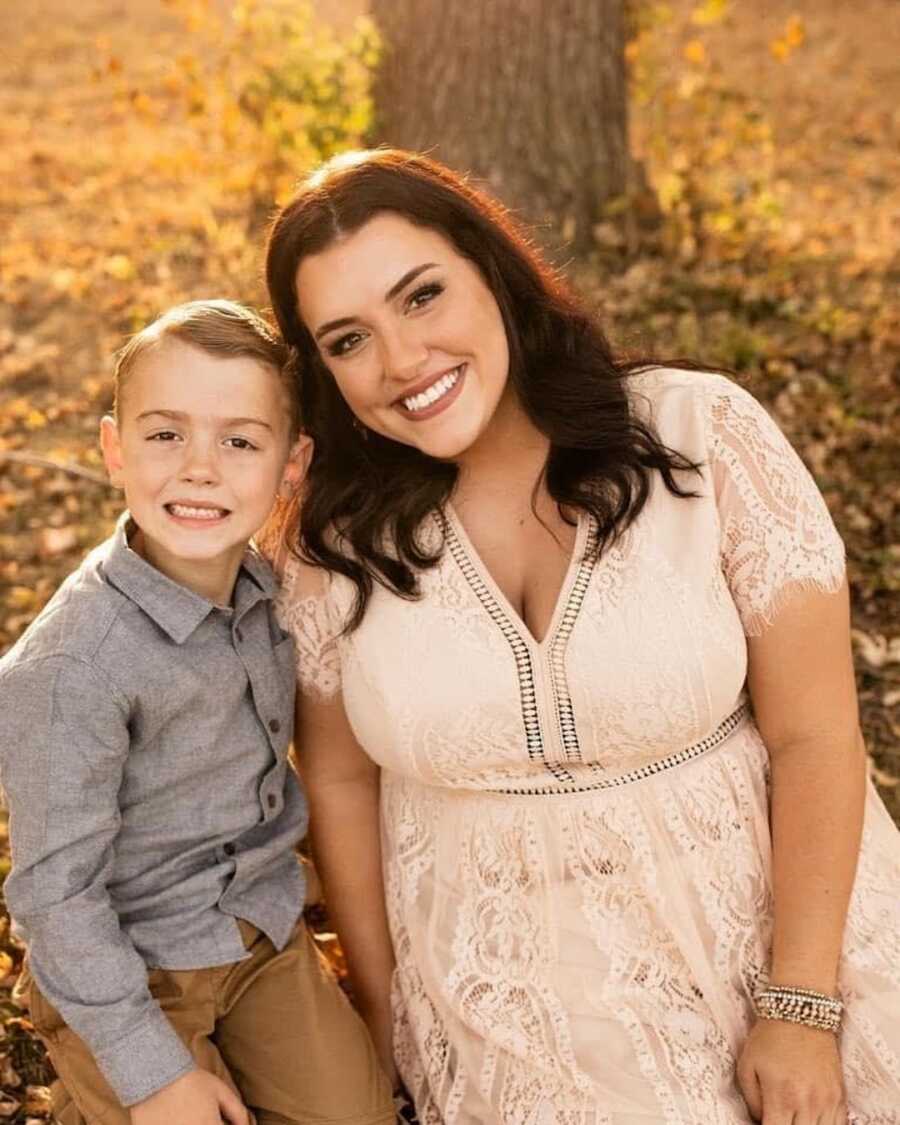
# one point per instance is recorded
(403, 353)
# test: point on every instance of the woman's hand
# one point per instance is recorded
(790, 1074)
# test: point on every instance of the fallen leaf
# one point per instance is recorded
(37, 1099)
(875, 649)
(885, 780)
(56, 541)
(9, 1106)
(9, 1076)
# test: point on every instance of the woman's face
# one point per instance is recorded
(410, 332)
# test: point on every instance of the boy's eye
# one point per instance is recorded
(240, 443)
(344, 344)
(424, 295)
(163, 435)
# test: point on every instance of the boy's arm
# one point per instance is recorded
(64, 740)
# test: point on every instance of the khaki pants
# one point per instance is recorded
(276, 1027)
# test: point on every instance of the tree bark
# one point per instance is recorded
(529, 95)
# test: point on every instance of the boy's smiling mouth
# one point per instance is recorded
(204, 513)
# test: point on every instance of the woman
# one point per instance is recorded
(561, 616)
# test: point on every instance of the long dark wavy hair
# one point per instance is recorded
(366, 497)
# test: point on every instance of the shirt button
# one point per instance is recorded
(229, 849)
(271, 801)
(274, 726)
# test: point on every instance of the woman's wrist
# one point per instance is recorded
(804, 971)
(804, 1006)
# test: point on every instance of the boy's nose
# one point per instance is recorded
(195, 476)
(199, 466)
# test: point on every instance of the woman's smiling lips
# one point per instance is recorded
(433, 395)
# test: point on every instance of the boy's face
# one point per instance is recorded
(201, 447)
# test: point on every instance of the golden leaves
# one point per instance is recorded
(708, 145)
(694, 52)
(274, 88)
(793, 36)
(710, 12)
(120, 267)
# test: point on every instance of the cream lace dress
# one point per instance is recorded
(575, 832)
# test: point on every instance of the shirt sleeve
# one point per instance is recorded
(307, 609)
(777, 536)
(63, 745)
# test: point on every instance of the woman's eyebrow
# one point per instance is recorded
(396, 288)
(409, 276)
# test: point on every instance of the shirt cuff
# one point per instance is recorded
(150, 1057)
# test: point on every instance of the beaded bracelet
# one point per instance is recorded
(800, 1005)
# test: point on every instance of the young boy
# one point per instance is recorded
(145, 719)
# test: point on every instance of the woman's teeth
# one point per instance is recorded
(189, 513)
(436, 391)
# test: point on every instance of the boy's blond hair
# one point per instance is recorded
(220, 328)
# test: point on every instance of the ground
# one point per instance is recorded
(114, 202)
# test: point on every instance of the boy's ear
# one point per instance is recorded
(296, 465)
(111, 444)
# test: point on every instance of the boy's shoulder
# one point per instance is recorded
(76, 621)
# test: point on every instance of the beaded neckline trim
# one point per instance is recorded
(534, 736)
(726, 728)
(565, 712)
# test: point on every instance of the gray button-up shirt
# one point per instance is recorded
(144, 734)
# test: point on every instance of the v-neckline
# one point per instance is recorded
(576, 560)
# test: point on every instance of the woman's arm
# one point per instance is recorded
(804, 699)
(342, 785)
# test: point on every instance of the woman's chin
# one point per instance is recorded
(446, 447)
(442, 442)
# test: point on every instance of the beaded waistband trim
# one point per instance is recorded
(726, 728)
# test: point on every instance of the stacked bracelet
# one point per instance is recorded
(800, 1005)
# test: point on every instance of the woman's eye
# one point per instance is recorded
(344, 344)
(240, 443)
(424, 295)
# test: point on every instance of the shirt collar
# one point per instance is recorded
(176, 609)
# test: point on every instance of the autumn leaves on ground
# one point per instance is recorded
(135, 172)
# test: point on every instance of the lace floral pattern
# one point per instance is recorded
(311, 617)
(777, 534)
(589, 958)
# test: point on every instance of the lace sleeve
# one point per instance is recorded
(306, 610)
(777, 537)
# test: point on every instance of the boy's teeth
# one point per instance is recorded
(196, 513)
(433, 393)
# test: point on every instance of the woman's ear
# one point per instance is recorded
(296, 466)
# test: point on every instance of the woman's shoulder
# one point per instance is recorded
(679, 402)
(660, 385)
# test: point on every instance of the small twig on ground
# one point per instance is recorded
(46, 463)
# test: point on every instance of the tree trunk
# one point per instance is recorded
(529, 95)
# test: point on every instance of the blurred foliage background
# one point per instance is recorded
(144, 145)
